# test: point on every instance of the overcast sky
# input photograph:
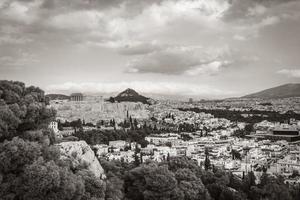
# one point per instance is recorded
(206, 48)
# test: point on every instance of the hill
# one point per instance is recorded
(130, 95)
(57, 96)
(282, 91)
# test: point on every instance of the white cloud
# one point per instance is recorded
(239, 37)
(9, 39)
(157, 17)
(257, 10)
(270, 20)
(78, 20)
(21, 11)
(134, 47)
(189, 60)
(251, 29)
(207, 69)
(295, 73)
(19, 60)
(165, 88)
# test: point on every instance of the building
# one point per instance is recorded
(118, 144)
(190, 100)
(162, 138)
(54, 126)
(67, 131)
(285, 132)
(76, 97)
(101, 149)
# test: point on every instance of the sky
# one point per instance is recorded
(192, 48)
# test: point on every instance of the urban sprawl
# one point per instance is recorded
(238, 135)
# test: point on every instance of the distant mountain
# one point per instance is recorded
(57, 96)
(283, 91)
(131, 96)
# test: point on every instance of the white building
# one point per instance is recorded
(54, 127)
(101, 149)
(162, 138)
(118, 144)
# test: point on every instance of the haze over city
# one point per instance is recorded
(211, 49)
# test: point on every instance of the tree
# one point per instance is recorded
(150, 182)
(16, 154)
(206, 161)
(248, 182)
(160, 183)
(190, 185)
(230, 194)
(135, 123)
(114, 188)
(94, 187)
(46, 180)
(235, 154)
(137, 161)
(176, 163)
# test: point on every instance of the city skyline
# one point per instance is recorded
(209, 49)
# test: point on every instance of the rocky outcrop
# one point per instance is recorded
(81, 155)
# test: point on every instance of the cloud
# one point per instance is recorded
(207, 69)
(295, 73)
(9, 39)
(18, 59)
(20, 11)
(257, 10)
(165, 88)
(187, 60)
(142, 21)
(271, 20)
(78, 20)
(239, 37)
(134, 47)
(249, 18)
(157, 17)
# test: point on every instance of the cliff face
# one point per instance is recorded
(81, 154)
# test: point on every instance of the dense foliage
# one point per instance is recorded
(30, 167)
(21, 109)
(255, 116)
(182, 179)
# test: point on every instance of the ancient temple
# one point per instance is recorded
(76, 97)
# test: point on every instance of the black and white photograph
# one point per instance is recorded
(149, 99)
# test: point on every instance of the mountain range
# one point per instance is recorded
(282, 91)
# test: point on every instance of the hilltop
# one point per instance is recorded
(282, 91)
(57, 96)
(129, 95)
